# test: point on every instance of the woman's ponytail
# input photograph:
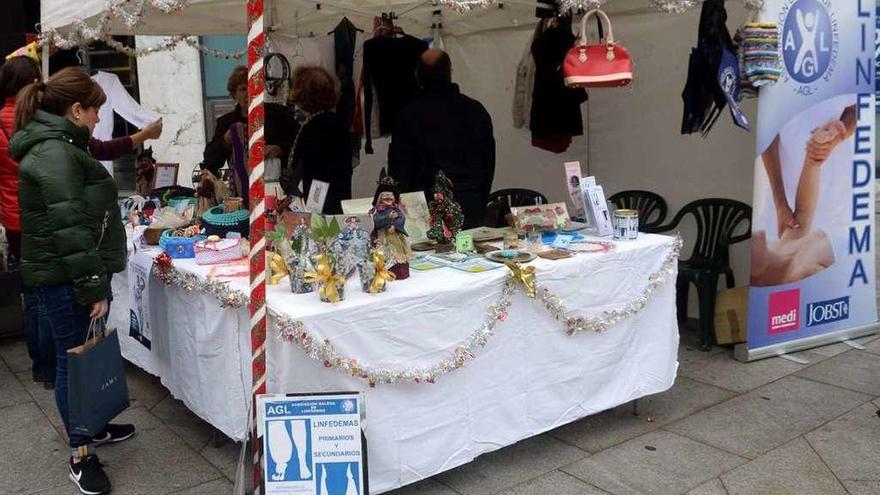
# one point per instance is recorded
(26, 104)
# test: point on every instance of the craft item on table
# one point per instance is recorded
(232, 270)
(422, 263)
(511, 241)
(374, 274)
(424, 246)
(389, 226)
(277, 268)
(214, 250)
(562, 241)
(524, 277)
(486, 234)
(293, 251)
(464, 243)
(505, 255)
(216, 222)
(626, 225)
(352, 244)
(475, 265)
(573, 176)
(182, 203)
(549, 217)
(464, 262)
(145, 170)
(446, 215)
(591, 247)
(232, 204)
(317, 196)
(484, 247)
(331, 285)
(210, 192)
(556, 254)
(152, 235)
(180, 243)
(418, 217)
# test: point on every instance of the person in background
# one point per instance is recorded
(217, 151)
(15, 74)
(444, 130)
(72, 235)
(322, 147)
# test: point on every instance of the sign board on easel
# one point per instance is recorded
(313, 444)
(166, 175)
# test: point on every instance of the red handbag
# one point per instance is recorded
(602, 65)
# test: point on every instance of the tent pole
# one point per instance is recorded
(257, 256)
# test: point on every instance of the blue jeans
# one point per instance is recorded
(68, 323)
(38, 336)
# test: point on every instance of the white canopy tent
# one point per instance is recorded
(631, 135)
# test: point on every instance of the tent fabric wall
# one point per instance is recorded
(635, 141)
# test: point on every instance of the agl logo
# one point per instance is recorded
(809, 38)
(784, 311)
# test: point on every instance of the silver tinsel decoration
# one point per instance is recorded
(605, 319)
(323, 351)
(131, 12)
(229, 298)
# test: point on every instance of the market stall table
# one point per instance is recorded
(529, 377)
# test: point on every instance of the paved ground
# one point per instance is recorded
(769, 427)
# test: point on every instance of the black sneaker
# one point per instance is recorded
(113, 434)
(89, 476)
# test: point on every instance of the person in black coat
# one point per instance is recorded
(218, 150)
(322, 147)
(445, 130)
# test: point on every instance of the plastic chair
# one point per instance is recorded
(651, 206)
(718, 220)
(500, 202)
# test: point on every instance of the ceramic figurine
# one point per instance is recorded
(389, 232)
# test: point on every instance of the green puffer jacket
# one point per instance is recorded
(71, 227)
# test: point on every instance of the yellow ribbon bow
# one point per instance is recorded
(382, 274)
(525, 276)
(328, 281)
(278, 269)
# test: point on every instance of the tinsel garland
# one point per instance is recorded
(131, 12)
(605, 319)
(295, 331)
(164, 270)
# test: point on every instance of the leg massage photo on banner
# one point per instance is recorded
(802, 246)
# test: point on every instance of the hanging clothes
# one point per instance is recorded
(345, 44)
(238, 178)
(121, 102)
(389, 68)
(524, 85)
(556, 109)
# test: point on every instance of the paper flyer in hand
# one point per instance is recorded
(313, 444)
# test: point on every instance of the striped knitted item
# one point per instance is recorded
(758, 53)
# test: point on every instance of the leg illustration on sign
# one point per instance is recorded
(280, 448)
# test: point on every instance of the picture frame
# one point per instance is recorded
(165, 175)
(550, 216)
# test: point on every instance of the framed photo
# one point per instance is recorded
(166, 175)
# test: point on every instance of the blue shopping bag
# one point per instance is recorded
(97, 391)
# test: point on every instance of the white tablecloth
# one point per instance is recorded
(202, 353)
(530, 377)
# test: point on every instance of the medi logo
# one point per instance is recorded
(784, 307)
(809, 40)
(822, 312)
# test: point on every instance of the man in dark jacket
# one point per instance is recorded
(444, 130)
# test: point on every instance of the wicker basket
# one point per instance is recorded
(152, 235)
(232, 204)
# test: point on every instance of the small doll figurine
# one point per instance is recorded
(389, 233)
(145, 169)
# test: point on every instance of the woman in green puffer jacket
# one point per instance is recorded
(72, 234)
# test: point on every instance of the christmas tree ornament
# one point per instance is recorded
(446, 215)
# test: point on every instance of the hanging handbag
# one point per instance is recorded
(601, 65)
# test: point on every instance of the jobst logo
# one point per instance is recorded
(783, 311)
(822, 312)
(809, 37)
